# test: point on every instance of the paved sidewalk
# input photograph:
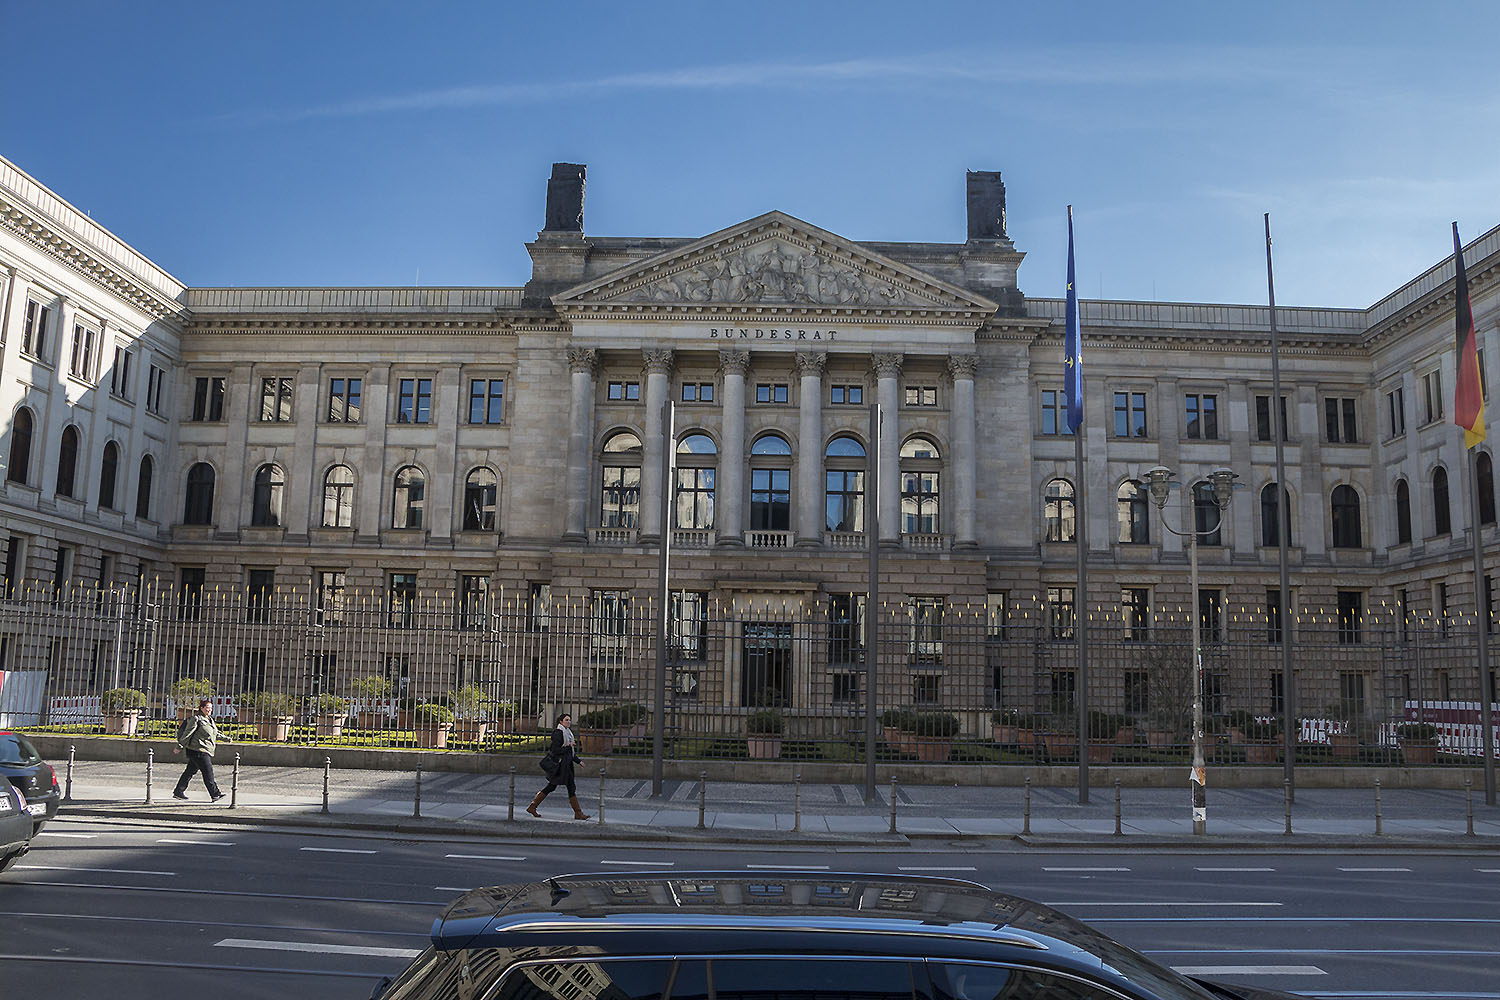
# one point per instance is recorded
(481, 804)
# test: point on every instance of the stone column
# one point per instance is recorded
(658, 370)
(809, 522)
(888, 375)
(965, 462)
(729, 490)
(584, 365)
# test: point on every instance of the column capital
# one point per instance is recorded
(734, 362)
(963, 365)
(583, 359)
(810, 362)
(887, 365)
(657, 361)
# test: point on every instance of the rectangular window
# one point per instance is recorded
(771, 392)
(189, 592)
(697, 392)
(119, 372)
(1054, 411)
(1395, 402)
(925, 689)
(1060, 612)
(34, 333)
(847, 394)
(624, 392)
(259, 585)
(1263, 419)
(61, 570)
(1352, 692)
(1489, 603)
(330, 596)
(414, 401)
(1338, 420)
(1403, 608)
(1210, 615)
(156, 381)
(401, 593)
(921, 395)
(846, 628)
(1278, 693)
(486, 400)
(12, 572)
(473, 601)
(770, 499)
(345, 396)
(1135, 608)
(208, 398)
(185, 662)
(845, 686)
(609, 630)
(1130, 414)
(276, 400)
(252, 669)
(1442, 608)
(1351, 610)
(689, 625)
(1432, 397)
(1273, 615)
(85, 352)
(926, 641)
(996, 609)
(539, 607)
(1202, 416)
(1137, 691)
(1484, 383)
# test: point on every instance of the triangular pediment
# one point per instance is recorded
(771, 262)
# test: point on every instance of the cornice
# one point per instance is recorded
(293, 326)
(740, 313)
(1441, 300)
(40, 235)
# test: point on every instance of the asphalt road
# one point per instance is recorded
(138, 910)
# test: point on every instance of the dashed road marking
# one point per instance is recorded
(955, 869)
(1374, 869)
(76, 836)
(1234, 869)
(1085, 869)
(483, 857)
(790, 868)
(1172, 903)
(326, 949)
(453, 888)
(336, 850)
(110, 871)
(1248, 970)
(200, 843)
(642, 864)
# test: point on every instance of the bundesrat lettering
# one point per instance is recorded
(768, 333)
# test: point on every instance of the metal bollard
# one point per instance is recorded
(510, 812)
(1377, 807)
(1026, 810)
(1118, 831)
(702, 796)
(416, 808)
(1286, 795)
(327, 764)
(602, 772)
(1469, 795)
(150, 759)
(797, 804)
(234, 784)
(68, 792)
(893, 803)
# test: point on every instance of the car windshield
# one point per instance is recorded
(15, 750)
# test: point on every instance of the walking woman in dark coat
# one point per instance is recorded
(563, 754)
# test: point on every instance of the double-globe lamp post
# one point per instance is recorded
(1159, 482)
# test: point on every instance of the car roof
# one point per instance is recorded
(686, 913)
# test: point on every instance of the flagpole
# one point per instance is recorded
(1074, 352)
(1283, 538)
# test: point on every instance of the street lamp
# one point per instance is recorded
(1159, 482)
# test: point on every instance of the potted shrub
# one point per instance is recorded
(1342, 739)
(1007, 726)
(431, 724)
(1240, 722)
(632, 721)
(1102, 729)
(1061, 738)
(933, 734)
(406, 707)
(515, 718)
(471, 713)
(272, 714)
(122, 708)
(369, 692)
(329, 712)
(893, 722)
(1419, 742)
(1260, 741)
(763, 731)
(186, 692)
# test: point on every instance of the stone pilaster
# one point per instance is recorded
(965, 462)
(887, 388)
(729, 496)
(809, 521)
(584, 366)
(658, 368)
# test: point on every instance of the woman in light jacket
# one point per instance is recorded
(564, 752)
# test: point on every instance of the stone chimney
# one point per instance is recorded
(565, 198)
(986, 205)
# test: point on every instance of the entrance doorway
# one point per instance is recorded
(766, 666)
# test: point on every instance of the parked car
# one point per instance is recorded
(739, 936)
(33, 777)
(15, 826)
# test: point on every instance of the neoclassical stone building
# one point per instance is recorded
(510, 439)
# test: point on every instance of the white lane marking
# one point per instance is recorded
(200, 843)
(790, 868)
(1234, 869)
(1085, 902)
(958, 869)
(336, 850)
(110, 871)
(1248, 970)
(1374, 869)
(76, 836)
(483, 857)
(1490, 871)
(641, 864)
(453, 888)
(327, 949)
(1085, 869)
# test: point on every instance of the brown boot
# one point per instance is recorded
(578, 813)
(536, 802)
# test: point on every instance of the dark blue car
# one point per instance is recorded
(33, 777)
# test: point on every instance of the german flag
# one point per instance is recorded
(1468, 399)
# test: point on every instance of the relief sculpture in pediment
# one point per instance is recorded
(774, 273)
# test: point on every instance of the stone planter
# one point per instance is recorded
(598, 741)
(1419, 751)
(763, 746)
(330, 725)
(520, 725)
(1061, 746)
(1101, 752)
(122, 723)
(1026, 738)
(1159, 738)
(1345, 746)
(892, 736)
(471, 730)
(372, 720)
(1125, 736)
(274, 728)
(1261, 753)
(1007, 735)
(433, 737)
(932, 749)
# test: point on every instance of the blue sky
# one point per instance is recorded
(369, 143)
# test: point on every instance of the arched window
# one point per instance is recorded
(109, 471)
(1486, 469)
(1403, 512)
(67, 461)
(19, 467)
(1207, 518)
(409, 498)
(770, 484)
(1441, 517)
(265, 504)
(481, 495)
(919, 487)
(143, 489)
(1132, 514)
(1346, 533)
(199, 508)
(1270, 515)
(1058, 505)
(694, 503)
(844, 464)
(338, 497)
(620, 496)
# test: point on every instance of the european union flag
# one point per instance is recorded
(1073, 383)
